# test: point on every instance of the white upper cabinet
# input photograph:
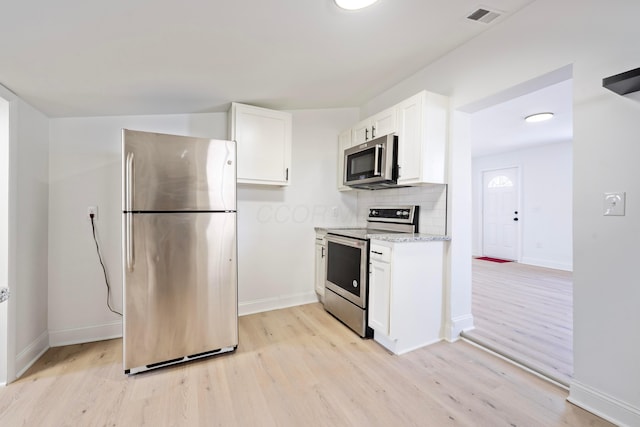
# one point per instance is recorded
(421, 124)
(263, 140)
(383, 123)
(422, 139)
(361, 132)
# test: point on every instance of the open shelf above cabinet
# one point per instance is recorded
(623, 83)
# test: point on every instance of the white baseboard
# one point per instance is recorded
(455, 326)
(604, 406)
(546, 263)
(275, 303)
(392, 345)
(31, 353)
(114, 330)
(86, 334)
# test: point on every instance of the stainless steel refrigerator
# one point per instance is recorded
(179, 249)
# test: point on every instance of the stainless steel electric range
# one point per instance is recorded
(346, 287)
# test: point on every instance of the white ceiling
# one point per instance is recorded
(86, 58)
(502, 127)
(69, 58)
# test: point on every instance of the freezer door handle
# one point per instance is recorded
(129, 182)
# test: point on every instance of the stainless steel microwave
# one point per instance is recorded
(372, 165)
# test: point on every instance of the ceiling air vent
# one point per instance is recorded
(484, 16)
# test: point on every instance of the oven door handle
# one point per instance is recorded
(354, 243)
(376, 160)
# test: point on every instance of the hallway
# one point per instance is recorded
(525, 313)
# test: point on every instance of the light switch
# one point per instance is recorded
(614, 204)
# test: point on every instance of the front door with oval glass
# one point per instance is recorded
(500, 213)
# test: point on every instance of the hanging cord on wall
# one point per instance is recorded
(104, 269)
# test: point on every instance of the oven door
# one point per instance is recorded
(347, 272)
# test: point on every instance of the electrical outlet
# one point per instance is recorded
(93, 210)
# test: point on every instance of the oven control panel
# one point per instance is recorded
(399, 214)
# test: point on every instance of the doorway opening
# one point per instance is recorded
(522, 212)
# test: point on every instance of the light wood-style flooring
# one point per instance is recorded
(526, 313)
(293, 367)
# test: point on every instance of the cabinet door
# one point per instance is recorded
(321, 269)
(380, 296)
(344, 142)
(410, 139)
(422, 139)
(361, 133)
(263, 140)
(384, 123)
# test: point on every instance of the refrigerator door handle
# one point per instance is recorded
(128, 215)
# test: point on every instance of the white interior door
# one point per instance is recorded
(500, 213)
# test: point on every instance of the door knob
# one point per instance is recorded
(515, 219)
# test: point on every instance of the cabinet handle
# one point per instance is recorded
(322, 255)
(366, 134)
(376, 252)
(286, 174)
(373, 131)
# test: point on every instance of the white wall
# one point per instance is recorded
(85, 171)
(605, 153)
(85, 158)
(276, 233)
(31, 235)
(275, 236)
(24, 255)
(432, 200)
(546, 175)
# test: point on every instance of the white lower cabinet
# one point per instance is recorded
(405, 294)
(321, 264)
(379, 288)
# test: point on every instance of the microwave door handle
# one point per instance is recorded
(376, 161)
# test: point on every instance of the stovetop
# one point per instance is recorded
(361, 233)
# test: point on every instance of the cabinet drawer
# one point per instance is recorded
(380, 253)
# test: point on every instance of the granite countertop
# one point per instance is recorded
(407, 238)
(394, 237)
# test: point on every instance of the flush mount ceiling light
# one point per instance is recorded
(354, 4)
(538, 117)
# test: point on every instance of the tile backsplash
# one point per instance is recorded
(432, 200)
